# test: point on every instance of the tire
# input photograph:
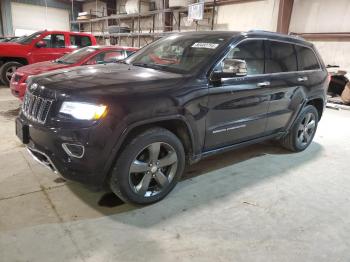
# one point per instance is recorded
(303, 130)
(5, 71)
(141, 175)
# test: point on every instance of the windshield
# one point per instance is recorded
(179, 53)
(28, 39)
(76, 56)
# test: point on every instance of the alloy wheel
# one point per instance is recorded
(10, 71)
(306, 129)
(153, 169)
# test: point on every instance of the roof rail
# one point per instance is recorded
(261, 31)
(293, 35)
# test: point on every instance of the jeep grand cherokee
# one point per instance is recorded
(132, 126)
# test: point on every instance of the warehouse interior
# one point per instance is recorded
(260, 202)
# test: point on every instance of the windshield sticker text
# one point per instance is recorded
(205, 45)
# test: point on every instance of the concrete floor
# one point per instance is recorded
(261, 203)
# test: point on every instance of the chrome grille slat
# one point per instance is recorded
(41, 109)
(36, 108)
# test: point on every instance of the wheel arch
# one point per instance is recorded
(318, 103)
(175, 124)
(21, 60)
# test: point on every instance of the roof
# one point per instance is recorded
(278, 36)
(252, 33)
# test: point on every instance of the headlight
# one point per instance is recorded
(83, 111)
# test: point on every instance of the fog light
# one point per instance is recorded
(74, 150)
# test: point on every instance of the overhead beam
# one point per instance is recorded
(284, 16)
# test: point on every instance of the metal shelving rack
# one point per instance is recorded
(135, 18)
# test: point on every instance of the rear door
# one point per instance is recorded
(79, 41)
(281, 65)
(310, 72)
(238, 106)
(55, 47)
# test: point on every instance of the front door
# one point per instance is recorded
(55, 47)
(238, 106)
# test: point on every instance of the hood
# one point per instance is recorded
(108, 79)
(13, 49)
(38, 68)
(8, 44)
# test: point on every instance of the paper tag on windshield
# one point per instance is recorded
(205, 45)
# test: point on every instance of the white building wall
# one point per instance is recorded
(324, 16)
(245, 16)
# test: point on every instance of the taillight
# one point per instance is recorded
(329, 77)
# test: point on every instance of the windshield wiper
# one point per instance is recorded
(153, 66)
(120, 62)
(61, 62)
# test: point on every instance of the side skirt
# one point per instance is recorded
(205, 154)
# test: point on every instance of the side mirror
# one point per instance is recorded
(232, 68)
(41, 44)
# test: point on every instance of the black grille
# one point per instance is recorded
(36, 108)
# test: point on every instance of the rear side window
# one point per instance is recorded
(306, 59)
(280, 58)
(252, 52)
(79, 41)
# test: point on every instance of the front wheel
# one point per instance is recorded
(149, 167)
(7, 70)
(303, 130)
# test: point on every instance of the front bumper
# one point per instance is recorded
(42, 159)
(45, 145)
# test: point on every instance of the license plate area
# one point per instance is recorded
(22, 131)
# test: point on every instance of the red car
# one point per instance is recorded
(86, 56)
(38, 47)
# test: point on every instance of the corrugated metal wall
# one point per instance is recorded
(7, 15)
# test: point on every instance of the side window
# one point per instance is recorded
(252, 52)
(306, 59)
(54, 41)
(112, 56)
(79, 41)
(106, 57)
(280, 58)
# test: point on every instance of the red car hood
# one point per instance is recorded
(42, 67)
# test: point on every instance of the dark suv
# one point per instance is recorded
(132, 126)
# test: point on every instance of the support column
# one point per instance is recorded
(284, 16)
(6, 16)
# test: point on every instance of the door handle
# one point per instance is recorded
(263, 84)
(302, 79)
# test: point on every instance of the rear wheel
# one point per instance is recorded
(7, 70)
(149, 167)
(303, 131)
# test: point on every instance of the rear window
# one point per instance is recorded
(306, 59)
(280, 58)
(79, 41)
